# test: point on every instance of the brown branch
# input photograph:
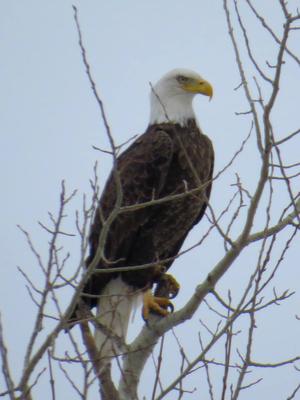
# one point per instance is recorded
(5, 367)
(47, 287)
(267, 27)
(101, 370)
(246, 40)
(158, 368)
(243, 78)
(287, 138)
(52, 381)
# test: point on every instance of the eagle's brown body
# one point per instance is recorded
(166, 160)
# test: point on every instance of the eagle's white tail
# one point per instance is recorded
(114, 308)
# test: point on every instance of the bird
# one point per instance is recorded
(165, 180)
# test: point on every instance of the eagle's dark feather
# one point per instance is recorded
(161, 162)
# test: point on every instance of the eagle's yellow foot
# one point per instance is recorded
(155, 304)
(167, 286)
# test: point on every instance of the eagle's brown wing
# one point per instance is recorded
(176, 248)
(162, 236)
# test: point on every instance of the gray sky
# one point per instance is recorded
(50, 120)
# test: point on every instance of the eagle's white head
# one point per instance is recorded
(172, 96)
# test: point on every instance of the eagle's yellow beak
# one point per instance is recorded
(199, 86)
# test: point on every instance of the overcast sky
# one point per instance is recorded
(50, 121)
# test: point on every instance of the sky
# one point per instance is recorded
(50, 121)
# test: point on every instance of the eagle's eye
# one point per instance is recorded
(182, 79)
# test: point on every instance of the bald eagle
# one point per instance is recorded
(172, 158)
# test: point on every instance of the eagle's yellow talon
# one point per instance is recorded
(167, 286)
(157, 305)
(173, 285)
